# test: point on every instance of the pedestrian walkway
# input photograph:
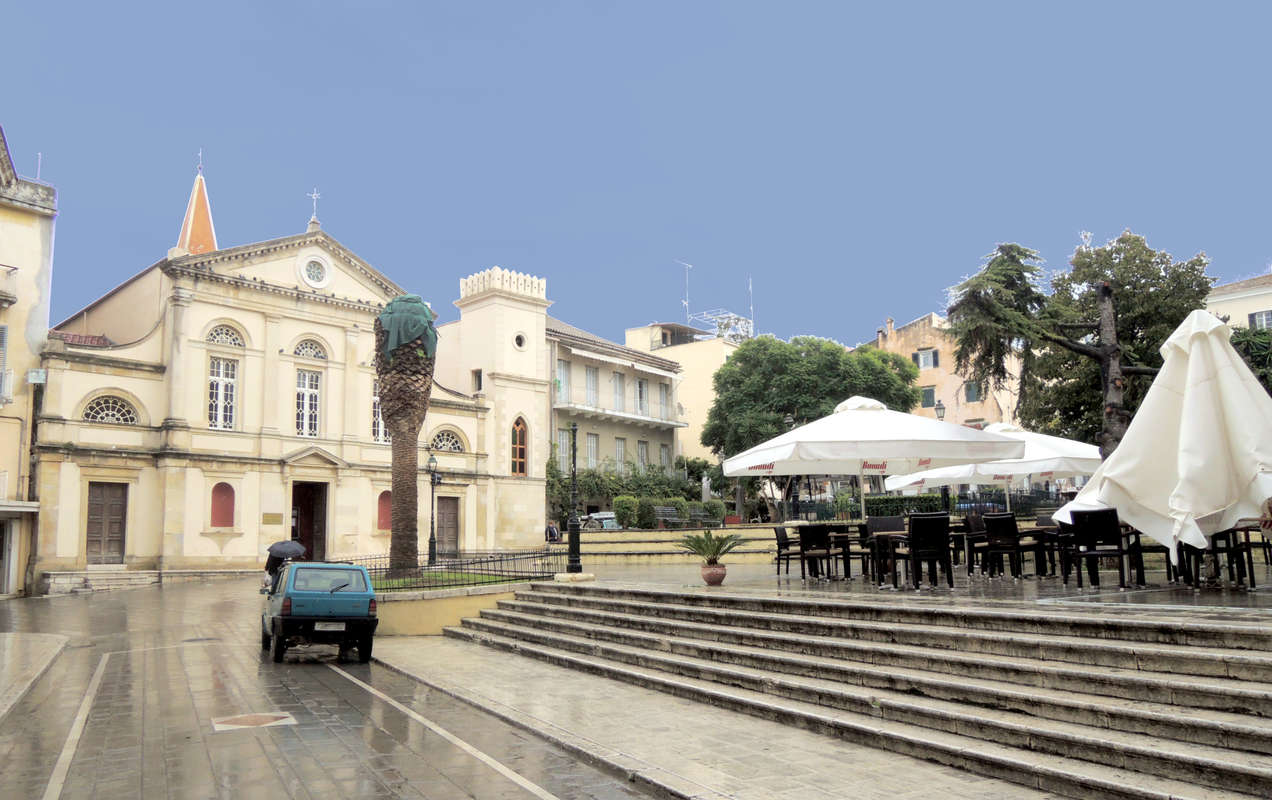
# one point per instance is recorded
(23, 659)
(679, 747)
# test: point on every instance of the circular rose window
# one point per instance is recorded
(315, 272)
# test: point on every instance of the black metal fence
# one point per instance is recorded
(465, 569)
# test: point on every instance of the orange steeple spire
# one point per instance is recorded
(197, 233)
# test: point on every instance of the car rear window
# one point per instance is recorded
(309, 579)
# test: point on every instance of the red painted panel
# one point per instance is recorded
(384, 512)
(223, 506)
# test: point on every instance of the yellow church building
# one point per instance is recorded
(224, 399)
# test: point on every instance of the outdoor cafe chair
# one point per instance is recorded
(974, 541)
(928, 541)
(1002, 538)
(1227, 543)
(880, 532)
(786, 551)
(858, 548)
(1098, 534)
(816, 551)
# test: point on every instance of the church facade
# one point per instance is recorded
(224, 399)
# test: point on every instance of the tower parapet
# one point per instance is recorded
(498, 279)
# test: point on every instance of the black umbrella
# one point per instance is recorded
(289, 548)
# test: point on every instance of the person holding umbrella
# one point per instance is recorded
(278, 554)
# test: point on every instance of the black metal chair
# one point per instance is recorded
(786, 551)
(852, 546)
(928, 541)
(1002, 538)
(1098, 534)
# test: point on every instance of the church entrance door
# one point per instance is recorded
(107, 510)
(448, 525)
(309, 518)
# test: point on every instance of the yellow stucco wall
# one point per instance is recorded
(427, 613)
(928, 332)
(1239, 305)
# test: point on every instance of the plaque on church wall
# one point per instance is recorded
(271, 519)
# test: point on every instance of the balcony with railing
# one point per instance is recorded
(626, 407)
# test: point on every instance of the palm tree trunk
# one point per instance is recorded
(404, 550)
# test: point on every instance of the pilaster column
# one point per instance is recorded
(177, 355)
(273, 382)
(354, 423)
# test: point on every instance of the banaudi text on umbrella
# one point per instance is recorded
(864, 438)
(1046, 457)
(1197, 457)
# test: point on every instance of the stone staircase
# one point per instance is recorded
(1087, 705)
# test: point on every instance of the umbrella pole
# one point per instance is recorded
(1007, 494)
(861, 492)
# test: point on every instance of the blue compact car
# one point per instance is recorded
(319, 603)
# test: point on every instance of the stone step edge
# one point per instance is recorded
(1127, 648)
(1068, 669)
(1058, 738)
(648, 778)
(1078, 779)
(976, 689)
(928, 612)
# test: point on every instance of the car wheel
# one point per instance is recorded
(265, 638)
(280, 647)
(364, 649)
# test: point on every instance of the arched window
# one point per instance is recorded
(448, 441)
(110, 409)
(223, 506)
(384, 512)
(519, 447)
(224, 334)
(309, 348)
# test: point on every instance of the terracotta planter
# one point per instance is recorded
(713, 574)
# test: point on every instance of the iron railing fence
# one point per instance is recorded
(1023, 504)
(472, 568)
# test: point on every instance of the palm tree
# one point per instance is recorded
(405, 347)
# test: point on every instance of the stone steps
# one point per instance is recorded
(1067, 776)
(1219, 728)
(1158, 697)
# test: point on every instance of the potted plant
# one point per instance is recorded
(710, 549)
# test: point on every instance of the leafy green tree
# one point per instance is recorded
(766, 379)
(1255, 346)
(1085, 363)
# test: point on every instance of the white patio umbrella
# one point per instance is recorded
(1045, 456)
(1197, 456)
(864, 438)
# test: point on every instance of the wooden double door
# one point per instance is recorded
(107, 516)
(448, 525)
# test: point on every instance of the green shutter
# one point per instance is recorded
(936, 359)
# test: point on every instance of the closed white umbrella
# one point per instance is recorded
(864, 438)
(1197, 457)
(1045, 456)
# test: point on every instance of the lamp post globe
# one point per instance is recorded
(433, 479)
(940, 410)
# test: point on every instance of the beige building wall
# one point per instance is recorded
(699, 359)
(27, 213)
(926, 341)
(1241, 299)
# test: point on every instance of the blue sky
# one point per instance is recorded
(853, 159)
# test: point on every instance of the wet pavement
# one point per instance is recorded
(129, 710)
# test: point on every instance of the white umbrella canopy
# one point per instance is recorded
(1197, 456)
(864, 437)
(1045, 456)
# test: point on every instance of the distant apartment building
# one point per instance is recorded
(1246, 303)
(927, 342)
(623, 400)
(699, 353)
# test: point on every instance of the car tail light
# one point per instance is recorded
(286, 612)
(371, 608)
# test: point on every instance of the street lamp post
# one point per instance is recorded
(574, 564)
(434, 479)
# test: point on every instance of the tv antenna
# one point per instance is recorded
(685, 302)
